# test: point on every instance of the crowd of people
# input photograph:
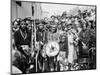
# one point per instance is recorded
(74, 37)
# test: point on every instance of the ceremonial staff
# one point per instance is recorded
(34, 12)
(34, 34)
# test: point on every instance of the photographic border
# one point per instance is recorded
(47, 3)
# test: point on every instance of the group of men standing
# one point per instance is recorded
(73, 39)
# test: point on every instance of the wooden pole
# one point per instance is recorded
(34, 33)
(35, 12)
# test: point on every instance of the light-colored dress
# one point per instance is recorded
(70, 47)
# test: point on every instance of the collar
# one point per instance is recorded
(22, 34)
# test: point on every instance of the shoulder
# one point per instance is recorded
(17, 33)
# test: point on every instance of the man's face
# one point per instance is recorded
(59, 27)
(23, 25)
(63, 38)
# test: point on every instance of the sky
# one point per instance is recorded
(57, 9)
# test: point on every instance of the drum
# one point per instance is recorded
(52, 48)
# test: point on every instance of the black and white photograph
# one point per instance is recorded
(52, 37)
